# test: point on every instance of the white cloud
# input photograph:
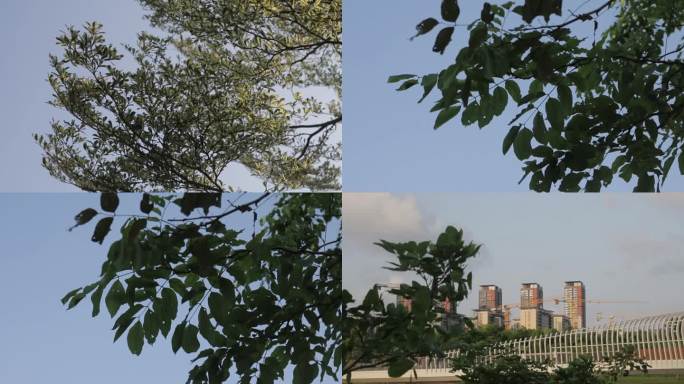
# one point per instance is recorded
(369, 217)
(381, 214)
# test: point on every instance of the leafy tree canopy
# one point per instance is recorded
(379, 335)
(589, 106)
(249, 300)
(224, 82)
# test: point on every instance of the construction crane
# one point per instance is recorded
(558, 301)
(555, 300)
(600, 316)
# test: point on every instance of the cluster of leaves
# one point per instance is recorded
(509, 368)
(377, 335)
(250, 304)
(226, 83)
(595, 106)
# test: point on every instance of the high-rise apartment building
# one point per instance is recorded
(489, 311)
(535, 318)
(507, 320)
(574, 295)
(560, 322)
(485, 317)
(490, 298)
(531, 296)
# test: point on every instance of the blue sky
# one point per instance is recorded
(624, 247)
(389, 143)
(42, 342)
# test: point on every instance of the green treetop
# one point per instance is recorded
(249, 300)
(224, 82)
(589, 106)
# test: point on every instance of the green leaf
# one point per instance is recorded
(536, 87)
(371, 298)
(109, 201)
(177, 338)
(477, 36)
(425, 26)
(681, 163)
(193, 200)
(486, 14)
(513, 90)
(470, 114)
(565, 98)
(531, 97)
(135, 338)
(219, 307)
(102, 229)
(593, 185)
(136, 227)
(571, 182)
(522, 145)
(190, 342)
(115, 298)
(450, 10)
(407, 84)
(304, 373)
(76, 299)
(645, 183)
(68, 296)
(446, 115)
(626, 173)
(398, 367)
(398, 78)
(206, 329)
(151, 326)
(554, 113)
(125, 320)
(145, 205)
(96, 298)
(620, 161)
(428, 82)
(421, 300)
(499, 101)
(442, 40)
(510, 137)
(84, 217)
(170, 303)
(539, 129)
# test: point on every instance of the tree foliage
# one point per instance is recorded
(389, 336)
(590, 106)
(509, 368)
(250, 300)
(224, 82)
(379, 335)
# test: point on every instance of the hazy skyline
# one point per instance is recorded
(622, 246)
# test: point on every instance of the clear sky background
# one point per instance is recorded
(42, 342)
(389, 144)
(622, 246)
